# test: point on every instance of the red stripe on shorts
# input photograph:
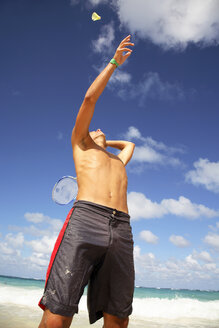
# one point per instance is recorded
(55, 250)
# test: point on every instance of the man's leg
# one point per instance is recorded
(51, 320)
(111, 321)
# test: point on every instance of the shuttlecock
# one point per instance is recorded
(95, 17)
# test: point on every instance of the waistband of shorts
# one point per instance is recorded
(102, 209)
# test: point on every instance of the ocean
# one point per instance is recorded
(152, 307)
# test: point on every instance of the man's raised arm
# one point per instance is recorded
(126, 147)
(85, 114)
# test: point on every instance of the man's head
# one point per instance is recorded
(98, 137)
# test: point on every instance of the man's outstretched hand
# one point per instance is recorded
(119, 57)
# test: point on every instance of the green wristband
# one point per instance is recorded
(113, 61)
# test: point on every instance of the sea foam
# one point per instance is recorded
(175, 308)
(146, 308)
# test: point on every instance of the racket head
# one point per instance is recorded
(65, 190)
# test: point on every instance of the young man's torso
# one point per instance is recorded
(101, 176)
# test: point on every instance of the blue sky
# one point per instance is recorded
(164, 98)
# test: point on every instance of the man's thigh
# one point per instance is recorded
(51, 320)
(81, 248)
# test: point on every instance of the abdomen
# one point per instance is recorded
(104, 185)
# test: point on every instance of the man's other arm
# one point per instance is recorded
(126, 147)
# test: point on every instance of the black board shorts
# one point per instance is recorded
(94, 247)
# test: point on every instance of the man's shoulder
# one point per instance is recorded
(116, 159)
(82, 143)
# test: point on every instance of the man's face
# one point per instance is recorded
(95, 134)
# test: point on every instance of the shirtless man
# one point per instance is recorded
(95, 245)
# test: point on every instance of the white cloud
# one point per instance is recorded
(149, 237)
(152, 87)
(192, 263)
(184, 207)
(44, 245)
(147, 154)
(214, 228)
(22, 250)
(89, 4)
(39, 218)
(147, 259)
(11, 244)
(120, 77)
(39, 259)
(74, 2)
(172, 23)
(56, 224)
(31, 230)
(212, 239)
(206, 173)
(15, 241)
(162, 146)
(179, 241)
(174, 273)
(5, 249)
(152, 151)
(97, 2)
(133, 133)
(142, 207)
(35, 217)
(203, 256)
(104, 43)
(37, 251)
(210, 266)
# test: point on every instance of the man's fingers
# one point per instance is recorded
(126, 39)
(128, 44)
(125, 49)
(128, 36)
(127, 55)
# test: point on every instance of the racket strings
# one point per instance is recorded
(65, 190)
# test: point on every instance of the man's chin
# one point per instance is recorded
(101, 136)
(101, 140)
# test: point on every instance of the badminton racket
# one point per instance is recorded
(65, 190)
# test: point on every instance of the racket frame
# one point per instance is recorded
(53, 190)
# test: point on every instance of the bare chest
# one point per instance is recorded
(98, 161)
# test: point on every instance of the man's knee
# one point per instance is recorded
(125, 323)
(111, 321)
(51, 320)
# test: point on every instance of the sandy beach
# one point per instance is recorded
(29, 317)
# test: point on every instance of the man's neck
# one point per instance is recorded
(101, 144)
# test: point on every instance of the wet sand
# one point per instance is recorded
(12, 316)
